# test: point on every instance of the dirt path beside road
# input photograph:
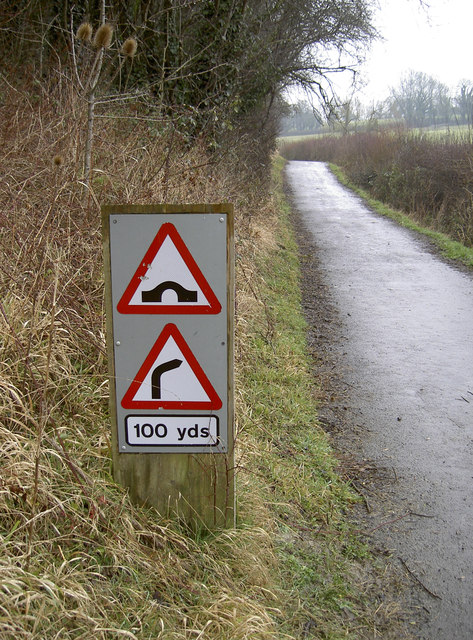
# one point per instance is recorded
(392, 333)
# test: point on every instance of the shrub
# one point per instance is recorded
(430, 179)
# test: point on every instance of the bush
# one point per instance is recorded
(431, 180)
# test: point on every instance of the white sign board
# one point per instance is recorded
(172, 349)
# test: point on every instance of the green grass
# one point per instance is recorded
(457, 134)
(449, 248)
(326, 132)
(317, 551)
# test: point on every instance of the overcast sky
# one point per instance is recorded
(437, 40)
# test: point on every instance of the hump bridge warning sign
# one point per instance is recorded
(168, 280)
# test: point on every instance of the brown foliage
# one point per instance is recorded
(430, 179)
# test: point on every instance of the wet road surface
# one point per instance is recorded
(407, 355)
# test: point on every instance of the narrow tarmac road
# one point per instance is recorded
(404, 342)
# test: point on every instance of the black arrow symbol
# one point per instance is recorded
(156, 294)
(156, 376)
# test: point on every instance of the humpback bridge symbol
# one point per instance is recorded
(156, 294)
(168, 265)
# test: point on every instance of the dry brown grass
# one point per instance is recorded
(78, 560)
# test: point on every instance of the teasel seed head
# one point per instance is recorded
(129, 47)
(103, 36)
(84, 32)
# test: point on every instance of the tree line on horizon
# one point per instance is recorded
(419, 100)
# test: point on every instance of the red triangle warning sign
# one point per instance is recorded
(171, 378)
(168, 280)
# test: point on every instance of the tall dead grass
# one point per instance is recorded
(78, 560)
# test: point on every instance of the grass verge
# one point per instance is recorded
(449, 248)
(321, 561)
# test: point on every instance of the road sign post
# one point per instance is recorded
(169, 284)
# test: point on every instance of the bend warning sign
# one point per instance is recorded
(171, 378)
(168, 280)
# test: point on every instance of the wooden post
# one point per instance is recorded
(197, 487)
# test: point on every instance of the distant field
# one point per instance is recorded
(456, 133)
(290, 139)
(452, 133)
